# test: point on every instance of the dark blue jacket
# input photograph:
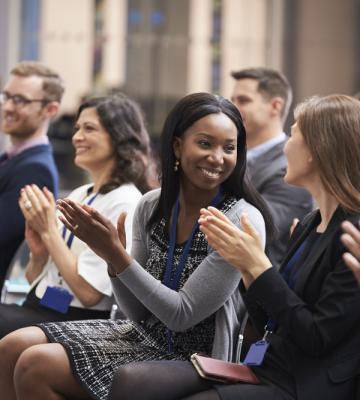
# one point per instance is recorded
(34, 165)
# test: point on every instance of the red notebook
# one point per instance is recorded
(223, 371)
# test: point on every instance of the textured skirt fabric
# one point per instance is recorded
(97, 348)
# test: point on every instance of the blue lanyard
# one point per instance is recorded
(286, 274)
(71, 236)
(172, 280)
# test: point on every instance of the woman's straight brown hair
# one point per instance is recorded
(330, 126)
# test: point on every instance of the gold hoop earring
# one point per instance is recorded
(176, 166)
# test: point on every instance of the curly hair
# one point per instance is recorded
(123, 120)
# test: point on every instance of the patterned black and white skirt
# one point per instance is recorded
(97, 348)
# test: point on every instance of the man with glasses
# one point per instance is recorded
(29, 100)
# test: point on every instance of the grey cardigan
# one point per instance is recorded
(211, 288)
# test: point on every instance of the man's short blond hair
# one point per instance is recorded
(53, 85)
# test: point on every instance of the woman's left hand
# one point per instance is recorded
(36, 246)
(240, 248)
(97, 232)
(39, 209)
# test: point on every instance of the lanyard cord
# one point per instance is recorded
(71, 236)
(172, 279)
(290, 274)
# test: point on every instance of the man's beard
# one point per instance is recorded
(23, 130)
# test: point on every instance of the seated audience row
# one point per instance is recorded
(180, 295)
(195, 242)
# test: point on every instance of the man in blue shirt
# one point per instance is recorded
(263, 96)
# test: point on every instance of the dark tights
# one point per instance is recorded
(161, 380)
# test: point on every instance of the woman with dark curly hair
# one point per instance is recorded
(69, 281)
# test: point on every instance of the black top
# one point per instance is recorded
(276, 368)
(315, 351)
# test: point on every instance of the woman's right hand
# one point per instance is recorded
(36, 246)
(241, 248)
(97, 232)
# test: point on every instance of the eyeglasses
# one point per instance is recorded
(19, 100)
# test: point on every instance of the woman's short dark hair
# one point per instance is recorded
(123, 120)
(185, 113)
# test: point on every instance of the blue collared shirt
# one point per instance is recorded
(262, 148)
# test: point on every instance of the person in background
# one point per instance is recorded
(307, 314)
(69, 281)
(177, 293)
(29, 101)
(263, 96)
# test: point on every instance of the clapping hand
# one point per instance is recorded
(241, 248)
(351, 239)
(38, 208)
(97, 232)
(36, 245)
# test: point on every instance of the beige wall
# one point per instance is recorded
(252, 36)
(327, 48)
(67, 45)
(199, 59)
(115, 13)
(243, 37)
(320, 52)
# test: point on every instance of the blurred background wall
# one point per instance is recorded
(159, 50)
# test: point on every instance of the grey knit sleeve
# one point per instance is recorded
(127, 301)
(206, 290)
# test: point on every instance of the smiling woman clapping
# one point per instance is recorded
(69, 281)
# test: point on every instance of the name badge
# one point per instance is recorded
(256, 353)
(57, 298)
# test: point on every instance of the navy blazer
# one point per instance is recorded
(34, 165)
(318, 321)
